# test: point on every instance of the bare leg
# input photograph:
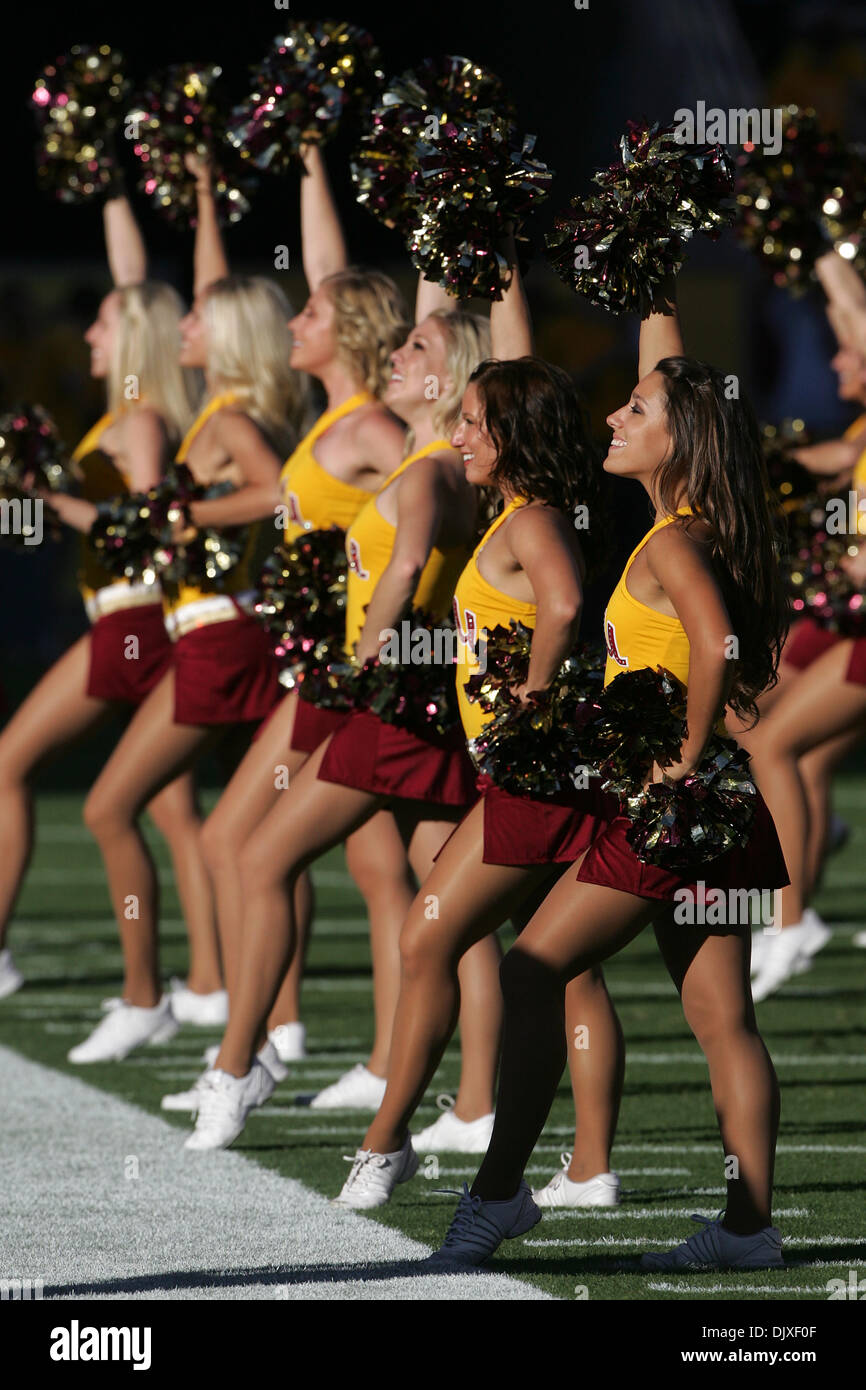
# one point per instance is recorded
(153, 751)
(471, 899)
(480, 1019)
(307, 820)
(596, 1063)
(265, 774)
(803, 720)
(175, 813)
(56, 712)
(816, 769)
(376, 858)
(577, 927)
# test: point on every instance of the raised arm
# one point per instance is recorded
(430, 297)
(538, 543)
(127, 257)
(322, 245)
(842, 284)
(209, 257)
(510, 324)
(660, 334)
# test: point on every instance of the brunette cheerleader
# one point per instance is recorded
(705, 570)
(405, 549)
(522, 432)
(222, 672)
(126, 651)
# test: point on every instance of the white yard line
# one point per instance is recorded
(188, 1226)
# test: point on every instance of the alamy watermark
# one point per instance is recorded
(22, 517)
(721, 907)
(736, 126)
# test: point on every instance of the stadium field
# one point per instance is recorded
(248, 1224)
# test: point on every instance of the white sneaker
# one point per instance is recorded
(357, 1089)
(186, 1101)
(449, 1134)
(479, 1228)
(269, 1058)
(211, 1053)
(789, 953)
(204, 1010)
(716, 1248)
(859, 938)
(374, 1177)
(601, 1191)
(125, 1027)
(10, 976)
(223, 1105)
(290, 1040)
(189, 1100)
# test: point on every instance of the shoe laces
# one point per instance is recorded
(464, 1218)
(701, 1242)
(215, 1100)
(364, 1161)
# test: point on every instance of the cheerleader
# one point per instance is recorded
(405, 549)
(222, 672)
(522, 432)
(115, 665)
(343, 337)
(825, 709)
(795, 783)
(705, 570)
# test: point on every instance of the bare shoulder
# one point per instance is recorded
(687, 542)
(374, 426)
(141, 424)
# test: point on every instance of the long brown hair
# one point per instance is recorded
(544, 451)
(717, 462)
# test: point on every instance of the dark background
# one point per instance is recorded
(576, 76)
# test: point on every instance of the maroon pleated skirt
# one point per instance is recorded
(856, 672)
(313, 725)
(807, 641)
(523, 830)
(389, 761)
(612, 863)
(225, 673)
(124, 669)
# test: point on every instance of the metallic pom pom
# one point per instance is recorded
(686, 825)
(140, 536)
(641, 720)
(534, 749)
(302, 602)
(616, 247)
(77, 101)
(472, 183)
(32, 456)
(802, 202)
(307, 81)
(441, 93)
(179, 112)
(415, 688)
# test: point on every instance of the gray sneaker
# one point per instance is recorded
(716, 1248)
(479, 1228)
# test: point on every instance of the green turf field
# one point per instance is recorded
(667, 1151)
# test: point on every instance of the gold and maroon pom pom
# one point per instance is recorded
(618, 246)
(302, 601)
(78, 102)
(311, 76)
(179, 112)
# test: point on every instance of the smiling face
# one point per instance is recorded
(102, 334)
(193, 336)
(419, 374)
(850, 370)
(314, 337)
(641, 435)
(473, 441)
